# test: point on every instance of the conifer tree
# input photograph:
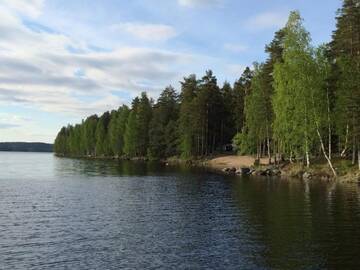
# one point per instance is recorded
(117, 127)
(131, 147)
(89, 134)
(189, 141)
(101, 134)
(162, 134)
(345, 51)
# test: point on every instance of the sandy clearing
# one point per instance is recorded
(234, 161)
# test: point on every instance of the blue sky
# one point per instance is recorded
(63, 60)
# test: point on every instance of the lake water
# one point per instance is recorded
(58, 213)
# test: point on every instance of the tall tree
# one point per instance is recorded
(101, 134)
(258, 111)
(163, 134)
(293, 125)
(131, 136)
(144, 115)
(189, 141)
(228, 129)
(209, 105)
(117, 127)
(345, 51)
(89, 137)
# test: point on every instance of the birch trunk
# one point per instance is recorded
(307, 159)
(346, 141)
(268, 142)
(324, 152)
(329, 124)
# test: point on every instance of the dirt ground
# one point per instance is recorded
(234, 161)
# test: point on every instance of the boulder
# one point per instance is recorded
(245, 171)
(229, 170)
(307, 176)
(276, 172)
(233, 170)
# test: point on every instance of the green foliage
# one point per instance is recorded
(131, 144)
(258, 109)
(244, 144)
(189, 88)
(89, 129)
(348, 97)
(102, 147)
(117, 127)
(293, 80)
(162, 131)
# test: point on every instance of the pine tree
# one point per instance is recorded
(345, 51)
(228, 129)
(209, 105)
(189, 141)
(101, 134)
(89, 138)
(162, 136)
(241, 89)
(131, 148)
(117, 127)
(144, 115)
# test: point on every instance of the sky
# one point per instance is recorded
(63, 60)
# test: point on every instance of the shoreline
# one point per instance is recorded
(239, 165)
(244, 165)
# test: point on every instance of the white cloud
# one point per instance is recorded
(199, 3)
(10, 121)
(64, 76)
(268, 20)
(38, 70)
(235, 48)
(149, 32)
(31, 8)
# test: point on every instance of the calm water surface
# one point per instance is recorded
(83, 214)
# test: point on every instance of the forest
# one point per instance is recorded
(302, 104)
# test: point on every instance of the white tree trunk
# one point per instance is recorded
(346, 141)
(307, 159)
(329, 123)
(324, 152)
(268, 143)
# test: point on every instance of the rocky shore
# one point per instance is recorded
(244, 165)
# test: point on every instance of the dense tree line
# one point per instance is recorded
(302, 103)
(198, 121)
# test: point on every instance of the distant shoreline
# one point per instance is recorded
(26, 147)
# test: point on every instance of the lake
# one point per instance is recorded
(58, 213)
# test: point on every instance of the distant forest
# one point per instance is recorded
(26, 147)
(301, 104)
